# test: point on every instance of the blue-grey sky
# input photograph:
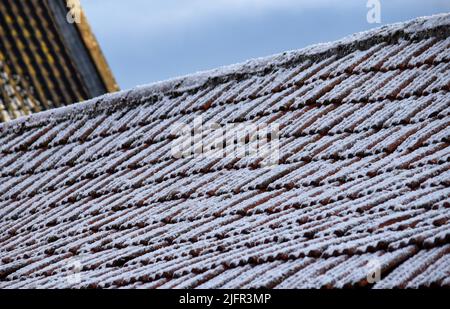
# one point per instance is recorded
(151, 40)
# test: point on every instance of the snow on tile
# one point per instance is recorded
(362, 176)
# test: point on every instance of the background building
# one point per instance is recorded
(48, 57)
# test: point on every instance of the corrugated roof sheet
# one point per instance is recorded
(361, 187)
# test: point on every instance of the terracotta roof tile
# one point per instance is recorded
(360, 187)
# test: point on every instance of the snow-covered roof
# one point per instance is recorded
(92, 195)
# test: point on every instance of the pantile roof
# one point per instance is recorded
(93, 196)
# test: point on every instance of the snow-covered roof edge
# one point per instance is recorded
(435, 25)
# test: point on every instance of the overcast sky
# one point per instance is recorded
(150, 40)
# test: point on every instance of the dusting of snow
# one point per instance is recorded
(193, 81)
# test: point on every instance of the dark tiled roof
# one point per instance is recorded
(362, 180)
(46, 62)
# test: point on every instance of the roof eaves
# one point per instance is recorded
(84, 48)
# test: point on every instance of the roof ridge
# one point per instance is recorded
(416, 29)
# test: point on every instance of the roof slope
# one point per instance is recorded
(361, 186)
(45, 61)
